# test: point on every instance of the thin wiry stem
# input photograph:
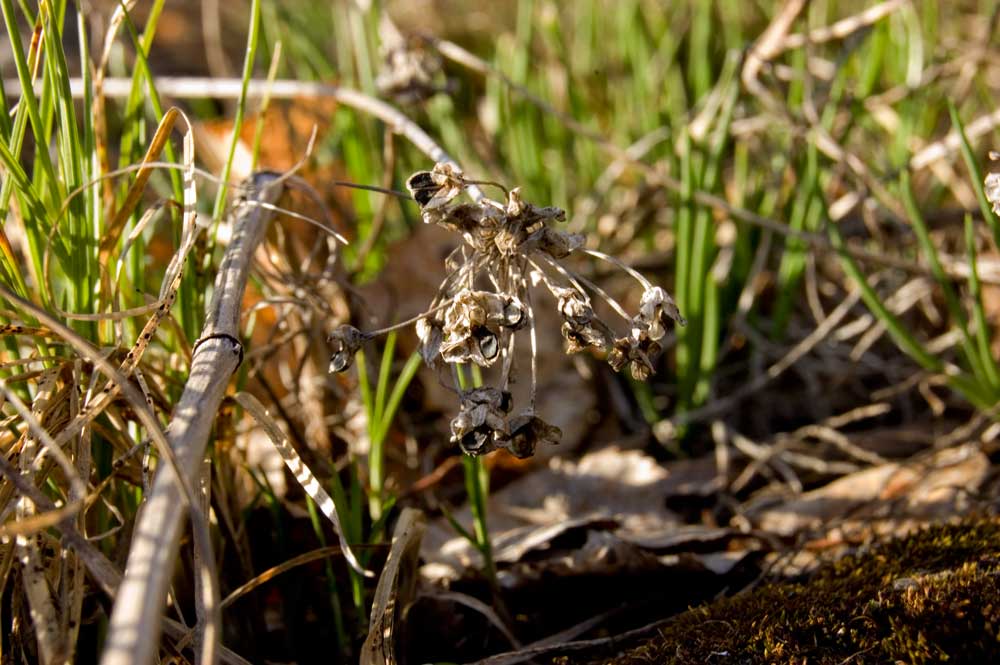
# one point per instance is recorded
(646, 284)
(593, 287)
(533, 390)
(565, 273)
(402, 324)
(508, 359)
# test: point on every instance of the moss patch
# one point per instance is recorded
(930, 597)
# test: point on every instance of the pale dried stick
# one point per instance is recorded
(767, 46)
(136, 618)
(841, 29)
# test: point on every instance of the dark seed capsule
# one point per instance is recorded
(513, 314)
(488, 344)
(474, 442)
(506, 401)
(422, 186)
(340, 361)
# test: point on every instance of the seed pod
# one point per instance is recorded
(345, 342)
(528, 215)
(573, 307)
(527, 431)
(655, 308)
(635, 352)
(431, 336)
(435, 188)
(489, 345)
(481, 420)
(557, 244)
(580, 337)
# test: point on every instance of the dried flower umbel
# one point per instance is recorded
(409, 71)
(991, 186)
(485, 302)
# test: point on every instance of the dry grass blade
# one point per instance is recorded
(396, 589)
(98, 104)
(114, 229)
(302, 474)
(40, 434)
(767, 46)
(197, 88)
(284, 567)
(51, 646)
(477, 605)
(100, 568)
(548, 646)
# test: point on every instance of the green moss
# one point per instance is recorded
(929, 597)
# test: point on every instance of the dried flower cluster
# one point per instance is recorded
(991, 186)
(409, 71)
(485, 301)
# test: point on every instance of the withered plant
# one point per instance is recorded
(486, 300)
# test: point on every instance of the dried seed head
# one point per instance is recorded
(430, 333)
(472, 322)
(581, 329)
(992, 191)
(655, 308)
(503, 240)
(635, 352)
(482, 308)
(556, 244)
(573, 307)
(527, 431)
(435, 188)
(594, 335)
(481, 420)
(526, 215)
(489, 345)
(345, 342)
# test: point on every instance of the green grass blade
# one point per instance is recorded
(976, 174)
(398, 390)
(937, 271)
(252, 39)
(979, 315)
(385, 368)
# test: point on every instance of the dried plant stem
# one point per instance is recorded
(371, 334)
(136, 619)
(100, 568)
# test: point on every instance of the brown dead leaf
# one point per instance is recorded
(612, 498)
(937, 487)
